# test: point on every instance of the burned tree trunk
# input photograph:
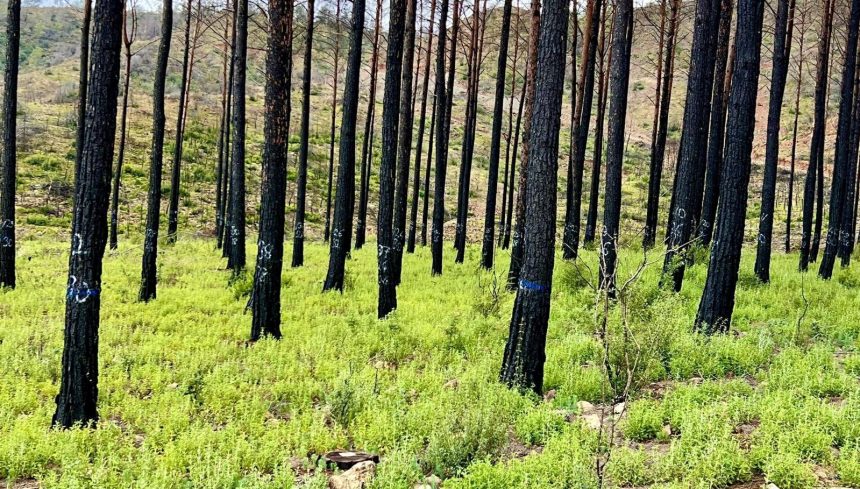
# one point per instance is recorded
(149, 269)
(788, 218)
(84, 67)
(441, 139)
(175, 182)
(9, 162)
(525, 355)
(237, 176)
(507, 181)
(718, 297)
(404, 143)
(506, 240)
(622, 41)
(599, 123)
(302, 177)
(367, 142)
(779, 75)
(78, 396)
(336, 75)
(129, 33)
(345, 198)
(265, 303)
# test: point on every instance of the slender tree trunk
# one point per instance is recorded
(573, 205)
(506, 241)
(78, 396)
(779, 75)
(816, 165)
(716, 139)
(718, 297)
(237, 177)
(517, 251)
(302, 177)
(495, 141)
(788, 218)
(175, 182)
(441, 132)
(149, 269)
(599, 122)
(404, 142)
(265, 303)
(525, 355)
(9, 162)
(82, 83)
(622, 41)
(416, 182)
(367, 143)
(336, 74)
(345, 198)
(223, 159)
(128, 38)
(226, 201)
(849, 212)
(658, 142)
(840, 198)
(508, 175)
(425, 205)
(687, 205)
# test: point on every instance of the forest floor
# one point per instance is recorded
(186, 401)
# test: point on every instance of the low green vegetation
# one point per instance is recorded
(185, 401)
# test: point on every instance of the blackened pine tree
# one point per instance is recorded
(223, 166)
(687, 203)
(129, 32)
(529, 97)
(718, 297)
(78, 397)
(83, 83)
(302, 174)
(619, 78)
(582, 119)
(265, 303)
(849, 213)
(441, 108)
(367, 141)
(779, 75)
(149, 268)
(425, 204)
(236, 259)
(508, 174)
(388, 164)
(419, 144)
(404, 143)
(837, 235)
(599, 124)
(658, 138)
(716, 137)
(335, 76)
(9, 162)
(496, 141)
(798, 90)
(345, 198)
(227, 123)
(506, 239)
(176, 171)
(524, 358)
(816, 163)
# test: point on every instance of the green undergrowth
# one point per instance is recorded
(185, 401)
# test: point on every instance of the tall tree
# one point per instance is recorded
(236, 260)
(508, 173)
(129, 33)
(599, 123)
(367, 142)
(506, 239)
(524, 357)
(496, 140)
(265, 303)
(302, 177)
(840, 198)
(718, 297)
(404, 143)
(335, 76)
(419, 144)
(661, 125)
(849, 212)
(425, 201)
(716, 138)
(619, 78)
(149, 268)
(779, 75)
(388, 165)
(687, 204)
(345, 198)
(227, 125)
(78, 397)
(83, 82)
(441, 143)
(815, 168)
(517, 250)
(797, 93)
(223, 168)
(8, 177)
(582, 119)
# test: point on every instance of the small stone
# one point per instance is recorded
(619, 408)
(549, 396)
(358, 477)
(584, 407)
(431, 482)
(771, 485)
(173, 385)
(592, 421)
(452, 384)
(667, 430)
